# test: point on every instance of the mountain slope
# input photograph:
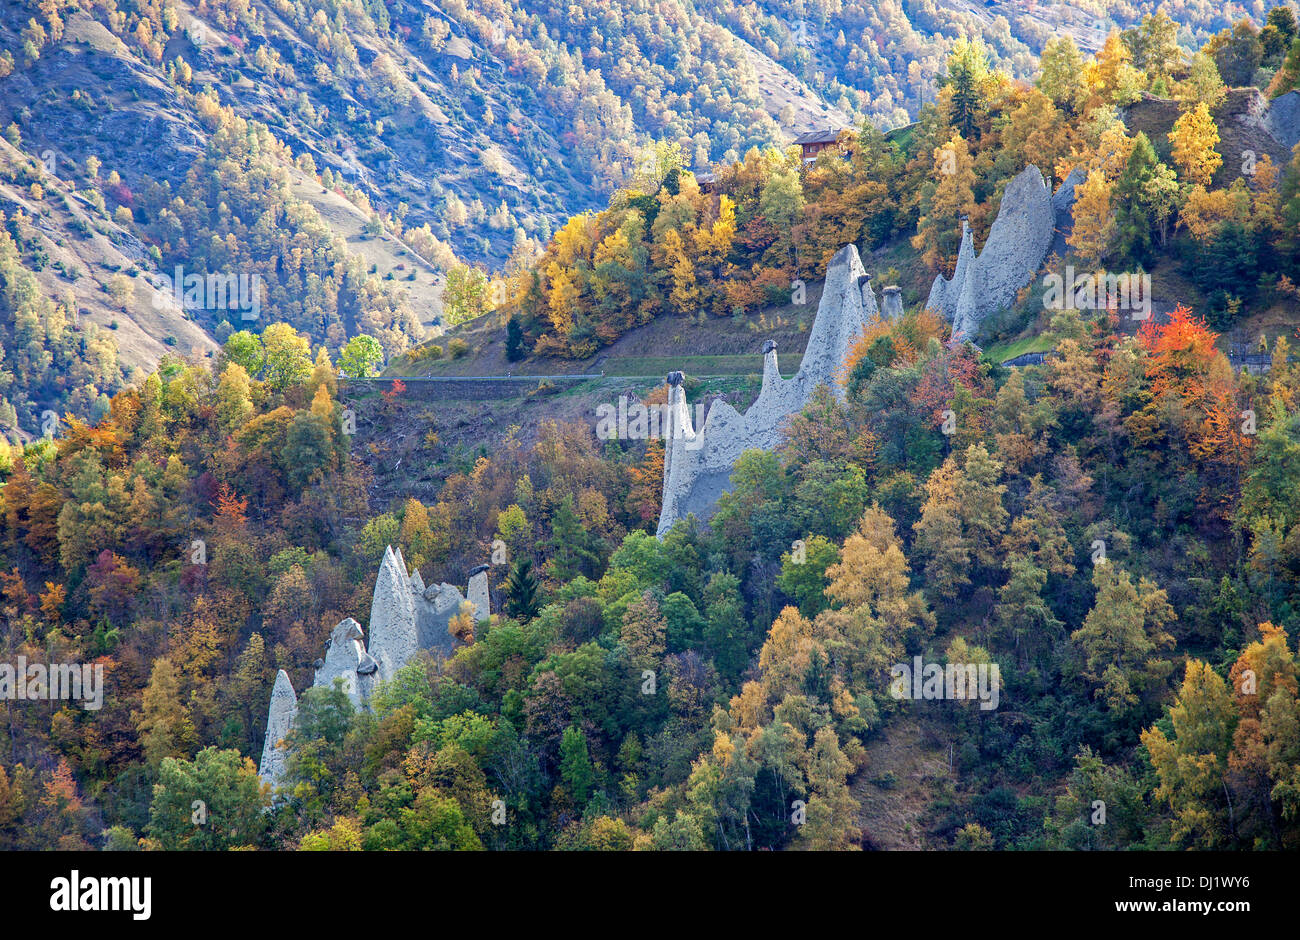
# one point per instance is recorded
(349, 153)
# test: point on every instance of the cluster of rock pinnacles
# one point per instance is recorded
(405, 617)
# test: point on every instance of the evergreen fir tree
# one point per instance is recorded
(514, 341)
(1132, 214)
(522, 602)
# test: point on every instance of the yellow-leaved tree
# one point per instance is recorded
(1192, 765)
(1194, 137)
(1038, 133)
(1110, 77)
(1205, 209)
(1094, 219)
(943, 202)
(562, 298)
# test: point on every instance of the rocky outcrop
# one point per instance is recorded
(698, 463)
(478, 592)
(405, 617)
(868, 297)
(346, 659)
(394, 635)
(891, 303)
(280, 718)
(1282, 119)
(1018, 241)
(1063, 208)
(434, 609)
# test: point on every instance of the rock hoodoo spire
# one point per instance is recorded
(405, 617)
(891, 304)
(280, 718)
(698, 462)
(347, 659)
(394, 637)
(478, 592)
(1018, 241)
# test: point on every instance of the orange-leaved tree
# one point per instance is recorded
(1192, 384)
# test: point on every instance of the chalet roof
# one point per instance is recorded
(825, 136)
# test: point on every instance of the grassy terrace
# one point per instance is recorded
(1041, 342)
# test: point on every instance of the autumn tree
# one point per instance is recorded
(212, 803)
(1110, 76)
(1203, 84)
(1237, 52)
(1192, 765)
(234, 403)
(876, 614)
(288, 356)
(961, 522)
(462, 624)
(1094, 219)
(163, 721)
(1288, 76)
(361, 356)
(1194, 138)
(946, 199)
(466, 294)
(1123, 637)
(832, 811)
(939, 537)
(1153, 44)
(1038, 133)
(1060, 73)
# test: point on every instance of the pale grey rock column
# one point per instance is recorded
(892, 305)
(394, 637)
(837, 327)
(1018, 241)
(771, 370)
(279, 719)
(869, 309)
(1063, 209)
(698, 461)
(433, 612)
(477, 592)
(346, 659)
(677, 458)
(1282, 119)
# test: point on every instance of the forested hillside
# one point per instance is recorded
(1115, 527)
(376, 164)
(1203, 196)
